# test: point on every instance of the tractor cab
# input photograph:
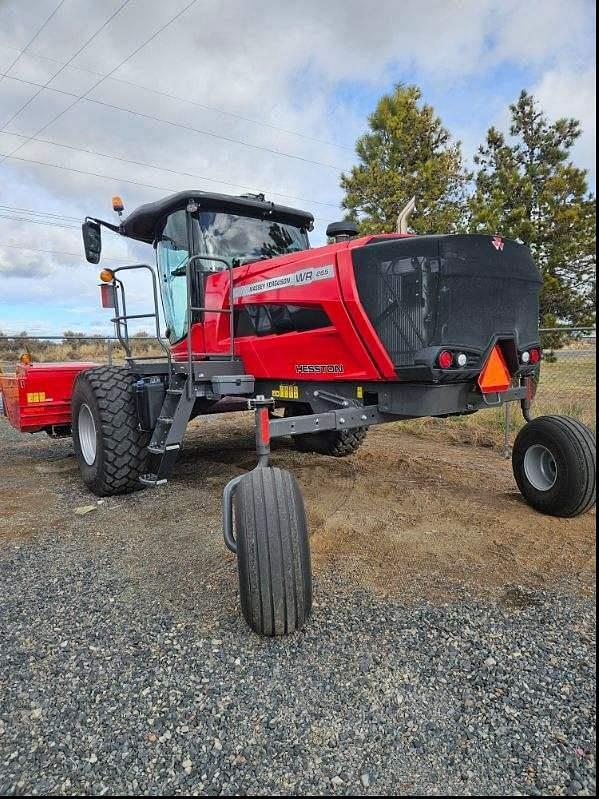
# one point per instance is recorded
(197, 233)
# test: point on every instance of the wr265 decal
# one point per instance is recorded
(301, 278)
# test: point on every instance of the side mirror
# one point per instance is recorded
(92, 241)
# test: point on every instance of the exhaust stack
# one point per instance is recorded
(404, 215)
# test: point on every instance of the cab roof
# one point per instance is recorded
(142, 224)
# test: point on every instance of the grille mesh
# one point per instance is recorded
(400, 297)
(447, 291)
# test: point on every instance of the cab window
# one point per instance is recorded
(172, 254)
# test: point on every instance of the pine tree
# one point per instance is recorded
(527, 188)
(407, 152)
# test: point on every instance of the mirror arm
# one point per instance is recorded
(114, 228)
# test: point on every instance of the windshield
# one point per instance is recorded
(245, 238)
(233, 238)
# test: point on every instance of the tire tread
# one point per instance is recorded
(124, 445)
(581, 443)
(273, 552)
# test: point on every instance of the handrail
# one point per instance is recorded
(121, 320)
(191, 308)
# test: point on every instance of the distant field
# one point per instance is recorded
(74, 351)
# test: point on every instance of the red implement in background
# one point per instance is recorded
(38, 395)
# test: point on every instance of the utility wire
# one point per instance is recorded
(178, 172)
(31, 41)
(102, 79)
(38, 213)
(38, 222)
(203, 106)
(59, 252)
(153, 118)
(112, 177)
(63, 67)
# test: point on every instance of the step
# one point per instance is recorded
(159, 449)
(152, 480)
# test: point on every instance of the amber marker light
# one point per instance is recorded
(117, 204)
(106, 275)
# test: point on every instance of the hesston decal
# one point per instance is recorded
(319, 368)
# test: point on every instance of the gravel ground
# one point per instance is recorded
(106, 690)
(125, 665)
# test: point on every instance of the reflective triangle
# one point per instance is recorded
(495, 375)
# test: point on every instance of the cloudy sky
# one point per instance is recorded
(143, 97)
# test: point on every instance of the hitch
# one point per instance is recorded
(526, 403)
(262, 407)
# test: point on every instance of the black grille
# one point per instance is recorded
(398, 287)
(447, 291)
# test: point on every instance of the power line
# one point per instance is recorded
(59, 252)
(204, 107)
(213, 135)
(92, 174)
(33, 38)
(110, 177)
(37, 222)
(235, 116)
(38, 213)
(102, 79)
(151, 117)
(179, 172)
(64, 66)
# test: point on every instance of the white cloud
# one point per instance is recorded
(569, 93)
(275, 62)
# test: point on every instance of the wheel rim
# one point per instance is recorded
(540, 467)
(87, 434)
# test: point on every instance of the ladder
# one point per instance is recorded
(167, 437)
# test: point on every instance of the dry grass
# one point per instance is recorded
(567, 387)
(96, 351)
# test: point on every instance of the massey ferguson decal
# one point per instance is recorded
(498, 243)
(301, 278)
(319, 368)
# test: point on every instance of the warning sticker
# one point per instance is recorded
(286, 391)
(301, 278)
(36, 396)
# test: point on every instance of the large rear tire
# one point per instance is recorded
(554, 463)
(109, 447)
(336, 443)
(273, 552)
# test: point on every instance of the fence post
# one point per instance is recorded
(507, 424)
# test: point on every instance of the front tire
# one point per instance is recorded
(109, 447)
(273, 552)
(554, 463)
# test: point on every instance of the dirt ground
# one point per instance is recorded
(411, 516)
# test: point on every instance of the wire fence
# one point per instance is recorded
(567, 384)
(97, 349)
(569, 373)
